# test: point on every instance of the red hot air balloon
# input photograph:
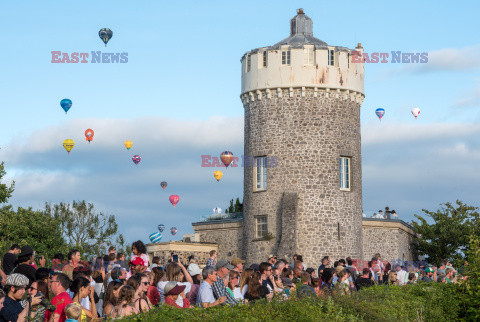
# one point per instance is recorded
(89, 135)
(174, 199)
(226, 157)
(136, 159)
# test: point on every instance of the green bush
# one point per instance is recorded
(418, 302)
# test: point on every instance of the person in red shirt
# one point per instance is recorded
(58, 285)
(171, 291)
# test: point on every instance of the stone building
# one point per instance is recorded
(302, 101)
(389, 237)
(303, 188)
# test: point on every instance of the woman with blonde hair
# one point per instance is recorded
(176, 272)
(126, 305)
(392, 278)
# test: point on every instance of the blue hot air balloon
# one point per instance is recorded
(380, 113)
(66, 104)
(155, 237)
(161, 228)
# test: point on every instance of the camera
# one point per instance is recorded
(45, 303)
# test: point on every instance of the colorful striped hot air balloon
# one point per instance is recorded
(155, 237)
(136, 159)
(380, 112)
(68, 144)
(226, 157)
(173, 231)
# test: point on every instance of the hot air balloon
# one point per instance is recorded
(174, 199)
(68, 144)
(415, 111)
(66, 104)
(89, 135)
(105, 35)
(173, 231)
(380, 113)
(155, 237)
(218, 175)
(136, 159)
(163, 184)
(128, 144)
(161, 228)
(226, 157)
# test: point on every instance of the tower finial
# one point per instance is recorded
(300, 11)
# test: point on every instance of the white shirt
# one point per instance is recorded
(179, 301)
(205, 294)
(244, 290)
(237, 294)
(402, 277)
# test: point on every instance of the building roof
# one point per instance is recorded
(301, 34)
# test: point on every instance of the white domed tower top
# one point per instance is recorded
(301, 60)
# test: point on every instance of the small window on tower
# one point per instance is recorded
(260, 174)
(265, 58)
(249, 63)
(331, 57)
(345, 176)
(286, 57)
(261, 226)
(308, 56)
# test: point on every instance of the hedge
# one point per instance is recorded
(418, 302)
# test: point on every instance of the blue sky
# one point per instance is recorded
(178, 98)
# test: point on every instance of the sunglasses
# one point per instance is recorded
(145, 283)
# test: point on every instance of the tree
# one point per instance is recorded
(83, 228)
(33, 228)
(5, 191)
(237, 207)
(448, 236)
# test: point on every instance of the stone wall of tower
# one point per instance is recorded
(308, 130)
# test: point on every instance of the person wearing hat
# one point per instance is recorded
(219, 289)
(237, 264)
(25, 260)
(429, 275)
(171, 291)
(15, 288)
(137, 265)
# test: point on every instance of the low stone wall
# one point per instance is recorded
(391, 238)
(228, 234)
(183, 250)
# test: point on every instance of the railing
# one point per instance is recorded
(214, 217)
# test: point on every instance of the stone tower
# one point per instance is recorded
(303, 188)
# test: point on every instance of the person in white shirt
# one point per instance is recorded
(402, 275)
(205, 297)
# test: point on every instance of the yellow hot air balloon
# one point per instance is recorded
(68, 144)
(218, 175)
(128, 144)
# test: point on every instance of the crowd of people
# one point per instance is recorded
(109, 287)
(388, 214)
